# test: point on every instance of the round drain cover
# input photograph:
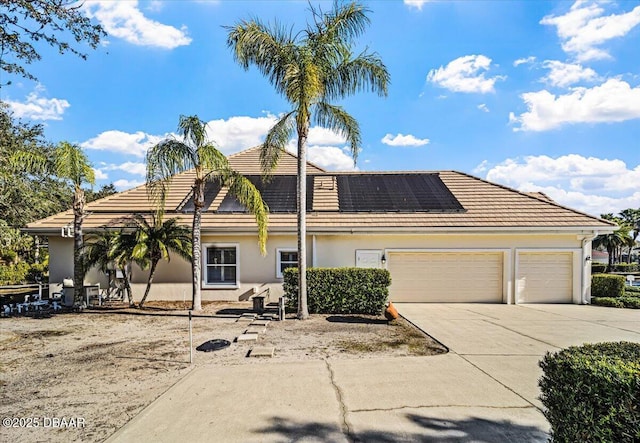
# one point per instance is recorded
(213, 345)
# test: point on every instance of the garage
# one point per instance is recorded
(446, 277)
(544, 277)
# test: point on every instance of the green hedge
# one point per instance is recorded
(605, 285)
(598, 268)
(625, 267)
(611, 302)
(340, 290)
(632, 291)
(14, 274)
(592, 393)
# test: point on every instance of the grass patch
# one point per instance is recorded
(46, 333)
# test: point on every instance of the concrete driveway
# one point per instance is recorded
(484, 390)
(507, 341)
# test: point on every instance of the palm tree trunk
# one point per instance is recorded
(303, 309)
(196, 263)
(78, 271)
(127, 285)
(154, 263)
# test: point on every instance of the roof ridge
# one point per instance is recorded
(524, 194)
(244, 151)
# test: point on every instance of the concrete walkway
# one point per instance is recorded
(483, 391)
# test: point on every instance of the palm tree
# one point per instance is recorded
(612, 242)
(195, 151)
(310, 69)
(109, 248)
(69, 163)
(632, 218)
(155, 240)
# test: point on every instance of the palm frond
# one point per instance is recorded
(340, 122)
(164, 160)
(249, 196)
(211, 159)
(366, 72)
(192, 129)
(275, 142)
(271, 50)
(32, 162)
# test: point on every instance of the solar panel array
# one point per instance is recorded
(279, 193)
(395, 193)
(356, 193)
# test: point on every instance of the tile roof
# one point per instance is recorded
(486, 206)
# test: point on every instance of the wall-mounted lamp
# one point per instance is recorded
(587, 258)
(383, 260)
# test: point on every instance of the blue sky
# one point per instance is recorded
(536, 95)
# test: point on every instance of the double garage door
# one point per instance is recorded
(479, 277)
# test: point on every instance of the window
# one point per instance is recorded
(285, 258)
(221, 265)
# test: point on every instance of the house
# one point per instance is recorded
(445, 236)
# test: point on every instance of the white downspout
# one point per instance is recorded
(313, 252)
(586, 270)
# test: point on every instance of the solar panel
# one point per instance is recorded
(279, 193)
(395, 193)
(211, 189)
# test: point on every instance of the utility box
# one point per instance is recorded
(258, 304)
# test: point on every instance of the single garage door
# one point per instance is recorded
(545, 277)
(446, 277)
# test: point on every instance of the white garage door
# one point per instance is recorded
(449, 277)
(545, 277)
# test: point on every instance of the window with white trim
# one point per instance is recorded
(221, 265)
(285, 258)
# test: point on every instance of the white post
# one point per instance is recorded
(190, 341)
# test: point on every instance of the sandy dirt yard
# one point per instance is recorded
(80, 377)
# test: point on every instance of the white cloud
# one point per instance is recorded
(585, 27)
(565, 74)
(37, 107)
(331, 158)
(416, 4)
(123, 142)
(613, 101)
(323, 136)
(238, 133)
(100, 174)
(590, 184)
(123, 19)
(524, 61)
(404, 140)
(483, 107)
(134, 168)
(465, 74)
(124, 184)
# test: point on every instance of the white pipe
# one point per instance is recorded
(585, 282)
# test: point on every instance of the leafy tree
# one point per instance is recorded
(69, 163)
(310, 69)
(153, 241)
(104, 191)
(26, 196)
(24, 23)
(195, 151)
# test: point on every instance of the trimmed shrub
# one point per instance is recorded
(605, 285)
(630, 302)
(625, 267)
(612, 302)
(632, 291)
(591, 393)
(598, 268)
(14, 274)
(340, 290)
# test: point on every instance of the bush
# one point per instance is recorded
(598, 268)
(340, 290)
(625, 267)
(612, 302)
(605, 285)
(14, 274)
(633, 291)
(630, 302)
(591, 393)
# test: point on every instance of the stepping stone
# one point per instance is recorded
(262, 351)
(247, 337)
(256, 330)
(259, 323)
